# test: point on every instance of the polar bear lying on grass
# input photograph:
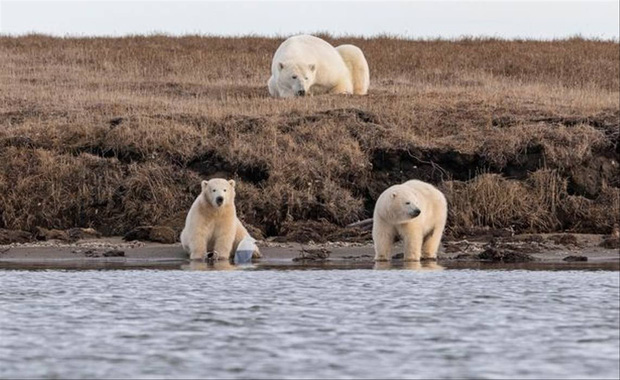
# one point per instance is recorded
(307, 65)
(416, 211)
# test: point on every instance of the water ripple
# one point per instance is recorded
(319, 324)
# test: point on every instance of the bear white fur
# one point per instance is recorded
(308, 65)
(416, 211)
(212, 224)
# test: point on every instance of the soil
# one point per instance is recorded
(540, 248)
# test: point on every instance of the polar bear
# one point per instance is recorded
(416, 211)
(212, 224)
(308, 65)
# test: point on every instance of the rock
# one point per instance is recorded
(83, 233)
(163, 235)
(505, 256)
(565, 240)
(313, 255)
(92, 253)
(467, 257)
(114, 253)
(53, 234)
(575, 258)
(613, 240)
(610, 242)
(99, 253)
(159, 234)
(14, 236)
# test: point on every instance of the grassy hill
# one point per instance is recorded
(112, 133)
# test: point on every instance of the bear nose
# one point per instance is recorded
(219, 200)
(415, 212)
(301, 92)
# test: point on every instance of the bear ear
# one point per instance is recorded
(312, 67)
(232, 182)
(280, 65)
(393, 195)
(204, 184)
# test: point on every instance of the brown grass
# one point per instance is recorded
(116, 132)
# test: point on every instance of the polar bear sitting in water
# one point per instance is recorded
(416, 211)
(307, 65)
(212, 224)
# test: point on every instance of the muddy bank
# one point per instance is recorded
(519, 135)
(521, 251)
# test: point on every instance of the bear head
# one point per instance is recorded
(403, 205)
(295, 79)
(219, 192)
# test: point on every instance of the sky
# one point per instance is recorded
(411, 19)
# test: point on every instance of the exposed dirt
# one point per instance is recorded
(159, 234)
(521, 136)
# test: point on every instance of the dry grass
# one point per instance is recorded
(113, 133)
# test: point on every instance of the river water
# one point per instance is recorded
(320, 323)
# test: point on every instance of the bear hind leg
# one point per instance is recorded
(431, 245)
(346, 87)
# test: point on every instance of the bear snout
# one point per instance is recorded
(301, 93)
(415, 212)
(219, 200)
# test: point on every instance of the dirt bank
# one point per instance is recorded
(560, 251)
(114, 133)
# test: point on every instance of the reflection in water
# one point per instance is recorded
(223, 265)
(409, 265)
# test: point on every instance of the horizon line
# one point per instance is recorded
(396, 36)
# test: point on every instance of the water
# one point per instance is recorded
(309, 323)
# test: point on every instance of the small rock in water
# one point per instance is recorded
(505, 256)
(114, 253)
(467, 257)
(313, 254)
(575, 258)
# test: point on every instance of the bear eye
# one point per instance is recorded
(294, 76)
(224, 190)
(408, 203)
(214, 190)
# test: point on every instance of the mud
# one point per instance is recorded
(465, 253)
(158, 234)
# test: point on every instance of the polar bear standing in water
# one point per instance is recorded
(417, 212)
(307, 65)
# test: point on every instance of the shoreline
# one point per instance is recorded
(534, 251)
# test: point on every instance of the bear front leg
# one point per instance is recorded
(224, 245)
(412, 242)
(431, 245)
(383, 236)
(273, 88)
(198, 246)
